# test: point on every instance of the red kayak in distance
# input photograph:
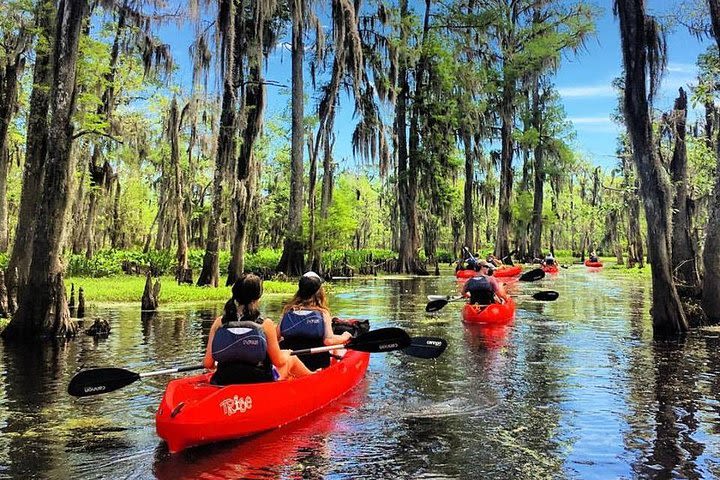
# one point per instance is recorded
(550, 268)
(465, 273)
(496, 313)
(195, 412)
(507, 271)
(590, 264)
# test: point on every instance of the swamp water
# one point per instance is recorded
(575, 388)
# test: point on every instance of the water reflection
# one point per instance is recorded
(574, 388)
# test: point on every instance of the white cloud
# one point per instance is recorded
(687, 68)
(587, 91)
(590, 120)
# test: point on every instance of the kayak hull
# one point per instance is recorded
(465, 273)
(495, 314)
(590, 264)
(507, 271)
(194, 412)
(550, 269)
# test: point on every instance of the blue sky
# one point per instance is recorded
(583, 80)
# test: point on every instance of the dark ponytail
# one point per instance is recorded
(245, 291)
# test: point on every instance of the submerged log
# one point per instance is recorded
(99, 329)
(151, 294)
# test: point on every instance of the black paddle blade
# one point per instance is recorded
(380, 340)
(435, 305)
(100, 380)
(532, 275)
(547, 296)
(426, 347)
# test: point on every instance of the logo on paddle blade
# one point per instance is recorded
(98, 388)
(434, 342)
(236, 404)
(388, 346)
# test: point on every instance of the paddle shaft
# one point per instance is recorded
(171, 370)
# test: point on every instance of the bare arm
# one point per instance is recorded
(278, 357)
(208, 361)
(330, 337)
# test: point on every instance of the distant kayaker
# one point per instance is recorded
(306, 322)
(482, 288)
(593, 257)
(244, 344)
(549, 260)
(494, 261)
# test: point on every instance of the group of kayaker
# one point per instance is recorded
(249, 348)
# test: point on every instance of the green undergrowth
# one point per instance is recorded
(129, 288)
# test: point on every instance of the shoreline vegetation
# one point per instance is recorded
(129, 288)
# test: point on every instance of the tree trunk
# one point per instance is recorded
(225, 143)
(711, 252)
(684, 256)
(43, 309)
(668, 315)
(181, 273)
(407, 177)
(538, 178)
(35, 150)
(292, 261)
(469, 214)
(9, 79)
(248, 170)
(502, 242)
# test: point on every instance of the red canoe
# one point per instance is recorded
(550, 268)
(507, 271)
(194, 412)
(491, 314)
(588, 263)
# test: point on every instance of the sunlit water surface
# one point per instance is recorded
(572, 389)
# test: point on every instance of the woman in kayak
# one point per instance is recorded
(549, 260)
(306, 322)
(482, 288)
(593, 257)
(244, 344)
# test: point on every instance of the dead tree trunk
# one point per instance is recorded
(43, 309)
(684, 256)
(668, 315)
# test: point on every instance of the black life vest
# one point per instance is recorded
(481, 290)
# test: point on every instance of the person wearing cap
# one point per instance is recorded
(484, 289)
(549, 260)
(243, 346)
(593, 256)
(306, 322)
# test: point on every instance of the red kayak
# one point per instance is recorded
(550, 268)
(496, 313)
(194, 412)
(465, 273)
(588, 263)
(507, 271)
